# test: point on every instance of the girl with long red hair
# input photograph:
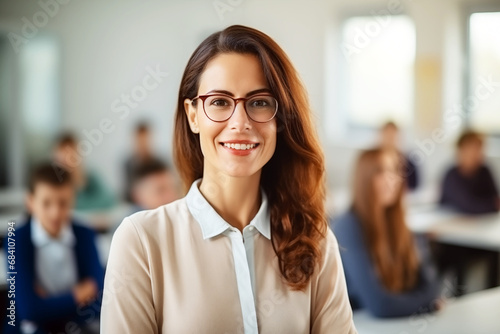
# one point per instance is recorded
(388, 270)
(248, 249)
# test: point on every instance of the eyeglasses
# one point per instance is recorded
(220, 108)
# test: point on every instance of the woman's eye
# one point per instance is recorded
(260, 103)
(219, 103)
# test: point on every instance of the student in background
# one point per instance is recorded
(390, 139)
(469, 186)
(92, 193)
(153, 185)
(388, 271)
(142, 154)
(59, 277)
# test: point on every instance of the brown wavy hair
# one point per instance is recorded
(293, 179)
(389, 240)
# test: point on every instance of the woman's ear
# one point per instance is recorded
(191, 115)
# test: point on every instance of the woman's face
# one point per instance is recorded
(387, 181)
(236, 75)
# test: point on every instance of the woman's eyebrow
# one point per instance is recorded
(258, 91)
(220, 91)
(253, 92)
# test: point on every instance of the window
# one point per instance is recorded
(483, 102)
(29, 105)
(376, 71)
(39, 96)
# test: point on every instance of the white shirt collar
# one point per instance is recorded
(211, 222)
(40, 237)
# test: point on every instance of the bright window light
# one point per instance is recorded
(376, 84)
(484, 72)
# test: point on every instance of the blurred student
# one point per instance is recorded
(142, 153)
(390, 139)
(59, 277)
(388, 271)
(153, 185)
(469, 186)
(92, 193)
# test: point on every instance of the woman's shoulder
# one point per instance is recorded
(163, 212)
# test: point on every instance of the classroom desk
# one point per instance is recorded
(476, 313)
(479, 231)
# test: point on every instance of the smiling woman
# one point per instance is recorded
(248, 249)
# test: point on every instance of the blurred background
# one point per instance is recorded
(419, 66)
(104, 70)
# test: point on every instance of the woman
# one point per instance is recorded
(248, 248)
(385, 273)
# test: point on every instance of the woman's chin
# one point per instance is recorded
(240, 171)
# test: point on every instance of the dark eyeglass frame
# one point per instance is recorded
(244, 99)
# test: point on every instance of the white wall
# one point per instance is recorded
(107, 46)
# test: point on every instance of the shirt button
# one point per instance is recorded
(251, 228)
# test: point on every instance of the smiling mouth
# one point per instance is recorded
(240, 146)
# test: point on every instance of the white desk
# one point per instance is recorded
(480, 231)
(477, 313)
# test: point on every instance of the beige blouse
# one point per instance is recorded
(182, 269)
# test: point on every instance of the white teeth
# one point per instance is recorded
(240, 146)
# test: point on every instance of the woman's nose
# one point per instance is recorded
(240, 120)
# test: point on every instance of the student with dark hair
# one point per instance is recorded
(91, 191)
(389, 139)
(469, 186)
(142, 154)
(59, 278)
(153, 185)
(389, 272)
(248, 249)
